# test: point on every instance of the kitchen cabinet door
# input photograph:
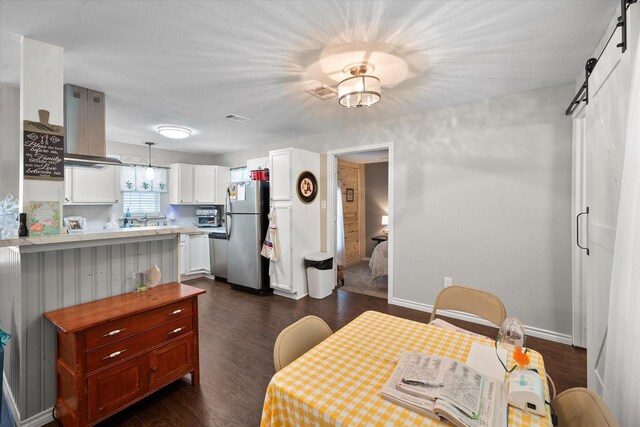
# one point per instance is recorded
(198, 253)
(261, 163)
(170, 362)
(185, 184)
(115, 387)
(91, 186)
(280, 175)
(282, 275)
(205, 184)
(222, 184)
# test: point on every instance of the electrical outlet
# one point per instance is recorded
(447, 281)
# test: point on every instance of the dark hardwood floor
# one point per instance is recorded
(237, 333)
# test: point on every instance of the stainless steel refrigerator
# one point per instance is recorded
(247, 207)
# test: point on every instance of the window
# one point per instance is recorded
(141, 202)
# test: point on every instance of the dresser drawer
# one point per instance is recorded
(122, 328)
(112, 353)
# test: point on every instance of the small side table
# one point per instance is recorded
(380, 238)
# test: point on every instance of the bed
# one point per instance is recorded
(378, 263)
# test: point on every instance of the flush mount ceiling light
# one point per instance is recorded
(360, 90)
(174, 132)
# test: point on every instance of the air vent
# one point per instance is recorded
(322, 92)
(236, 118)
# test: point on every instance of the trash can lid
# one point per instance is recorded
(318, 256)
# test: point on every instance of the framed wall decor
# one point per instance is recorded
(350, 195)
(307, 187)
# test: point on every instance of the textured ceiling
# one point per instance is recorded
(192, 62)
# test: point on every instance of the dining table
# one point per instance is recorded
(339, 381)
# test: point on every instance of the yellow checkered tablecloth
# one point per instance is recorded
(338, 382)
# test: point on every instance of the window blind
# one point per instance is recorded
(140, 203)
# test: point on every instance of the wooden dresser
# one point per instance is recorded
(115, 351)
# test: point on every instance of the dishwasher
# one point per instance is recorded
(218, 255)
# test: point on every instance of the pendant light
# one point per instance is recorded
(150, 174)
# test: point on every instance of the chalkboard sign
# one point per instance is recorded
(43, 149)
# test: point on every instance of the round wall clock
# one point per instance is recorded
(307, 187)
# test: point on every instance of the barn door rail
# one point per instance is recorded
(583, 92)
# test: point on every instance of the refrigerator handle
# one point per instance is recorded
(227, 214)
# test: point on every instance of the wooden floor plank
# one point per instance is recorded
(237, 333)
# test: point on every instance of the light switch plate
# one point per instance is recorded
(447, 281)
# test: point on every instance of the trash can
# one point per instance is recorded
(319, 274)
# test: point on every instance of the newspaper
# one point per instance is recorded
(447, 388)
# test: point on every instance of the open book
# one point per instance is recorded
(445, 388)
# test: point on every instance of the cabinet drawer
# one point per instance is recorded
(122, 328)
(170, 362)
(114, 388)
(123, 349)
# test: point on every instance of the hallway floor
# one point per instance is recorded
(357, 278)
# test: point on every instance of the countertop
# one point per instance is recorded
(117, 233)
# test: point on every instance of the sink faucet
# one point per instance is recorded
(146, 220)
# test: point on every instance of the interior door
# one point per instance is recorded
(605, 132)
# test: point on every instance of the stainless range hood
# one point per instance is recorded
(85, 137)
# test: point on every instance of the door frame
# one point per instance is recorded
(332, 183)
(578, 204)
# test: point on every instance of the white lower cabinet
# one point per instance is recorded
(91, 186)
(198, 254)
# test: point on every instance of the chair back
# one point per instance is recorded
(474, 301)
(298, 338)
(582, 407)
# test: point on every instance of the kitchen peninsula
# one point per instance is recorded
(40, 274)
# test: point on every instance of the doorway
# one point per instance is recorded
(360, 217)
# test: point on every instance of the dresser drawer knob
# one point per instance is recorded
(114, 354)
(114, 332)
(174, 312)
(175, 331)
(154, 369)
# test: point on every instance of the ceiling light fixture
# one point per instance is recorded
(149, 173)
(174, 132)
(360, 90)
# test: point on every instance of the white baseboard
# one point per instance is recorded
(11, 402)
(37, 420)
(531, 330)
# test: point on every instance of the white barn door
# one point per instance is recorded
(605, 131)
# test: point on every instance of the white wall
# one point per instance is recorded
(9, 141)
(139, 154)
(482, 194)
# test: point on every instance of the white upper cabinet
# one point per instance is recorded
(280, 174)
(205, 184)
(198, 184)
(255, 164)
(222, 184)
(91, 186)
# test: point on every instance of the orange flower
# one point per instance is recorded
(520, 357)
(37, 227)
